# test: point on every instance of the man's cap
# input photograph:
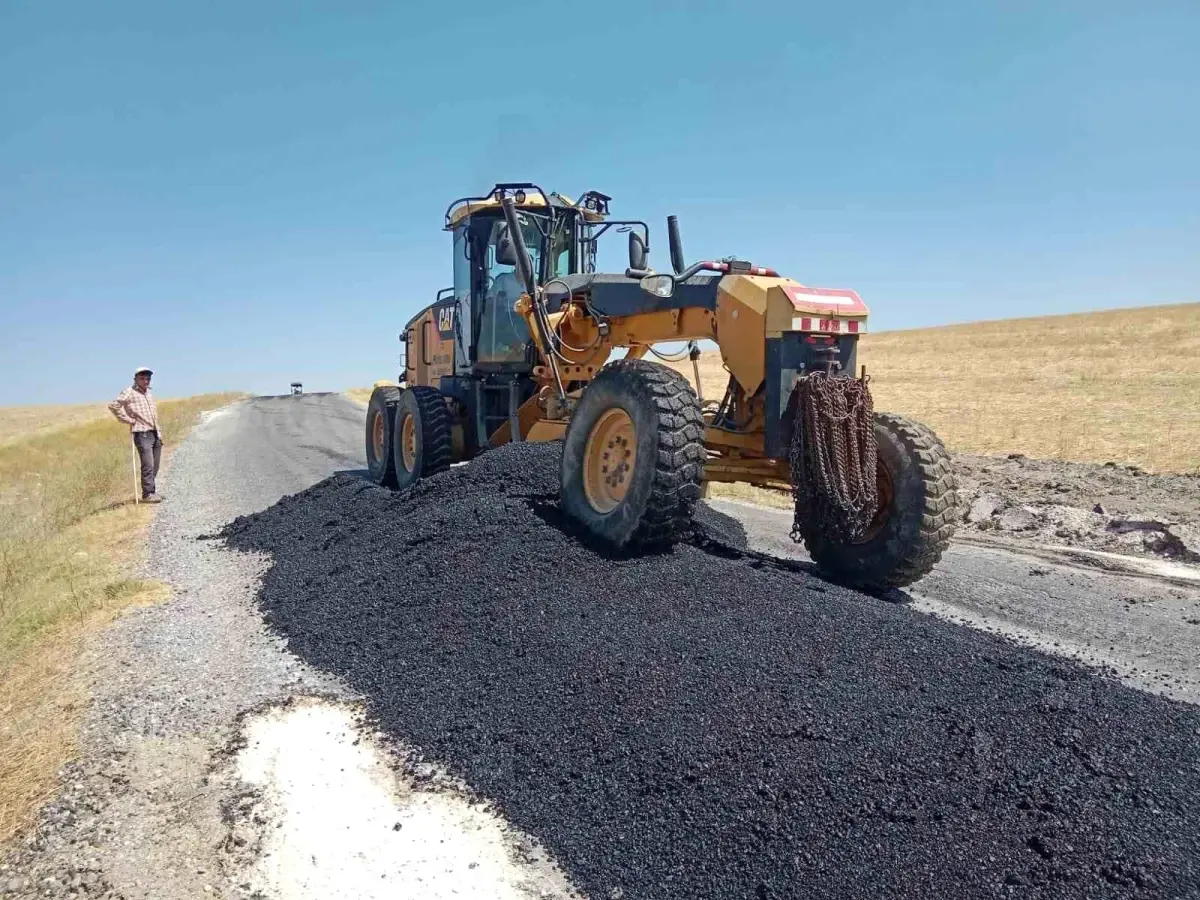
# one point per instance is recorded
(142, 369)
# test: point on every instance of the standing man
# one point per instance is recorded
(135, 407)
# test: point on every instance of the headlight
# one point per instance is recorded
(658, 285)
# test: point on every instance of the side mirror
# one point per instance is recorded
(637, 252)
(506, 253)
(658, 285)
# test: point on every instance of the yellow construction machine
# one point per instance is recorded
(524, 346)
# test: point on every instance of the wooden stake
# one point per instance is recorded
(134, 459)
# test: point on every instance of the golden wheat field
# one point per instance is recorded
(19, 422)
(1120, 385)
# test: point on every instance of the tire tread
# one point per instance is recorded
(390, 397)
(936, 520)
(435, 428)
(679, 464)
(941, 500)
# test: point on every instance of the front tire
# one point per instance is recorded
(422, 444)
(633, 456)
(381, 416)
(918, 495)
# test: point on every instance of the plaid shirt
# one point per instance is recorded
(136, 409)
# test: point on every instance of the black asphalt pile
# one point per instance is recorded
(704, 724)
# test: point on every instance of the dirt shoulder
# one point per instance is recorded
(1109, 507)
(1018, 501)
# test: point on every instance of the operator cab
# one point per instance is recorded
(503, 335)
(491, 338)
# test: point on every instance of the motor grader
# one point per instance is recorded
(525, 346)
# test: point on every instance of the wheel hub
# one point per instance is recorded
(886, 492)
(408, 443)
(377, 435)
(608, 460)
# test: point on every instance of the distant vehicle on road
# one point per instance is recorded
(297, 387)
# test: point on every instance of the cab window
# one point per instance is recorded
(503, 334)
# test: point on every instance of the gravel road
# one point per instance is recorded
(141, 814)
(148, 809)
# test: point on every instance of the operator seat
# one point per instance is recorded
(505, 289)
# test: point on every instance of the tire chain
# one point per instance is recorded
(833, 456)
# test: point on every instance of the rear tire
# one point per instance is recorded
(919, 500)
(633, 456)
(381, 416)
(422, 445)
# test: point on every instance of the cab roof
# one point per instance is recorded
(534, 199)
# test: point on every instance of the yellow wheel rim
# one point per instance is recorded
(608, 460)
(886, 492)
(408, 443)
(377, 435)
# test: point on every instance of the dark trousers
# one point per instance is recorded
(149, 448)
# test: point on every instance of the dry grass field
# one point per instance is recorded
(20, 422)
(1119, 385)
(69, 543)
(360, 395)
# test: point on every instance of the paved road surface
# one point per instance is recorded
(273, 446)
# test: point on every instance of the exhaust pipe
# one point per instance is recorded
(524, 264)
(525, 270)
(676, 242)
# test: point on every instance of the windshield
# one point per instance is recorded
(560, 250)
(503, 333)
(531, 230)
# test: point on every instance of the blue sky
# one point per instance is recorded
(243, 194)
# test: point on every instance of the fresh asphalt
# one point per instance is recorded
(1145, 629)
(711, 722)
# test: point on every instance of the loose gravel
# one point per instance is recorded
(707, 723)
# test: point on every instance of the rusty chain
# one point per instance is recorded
(833, 456)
